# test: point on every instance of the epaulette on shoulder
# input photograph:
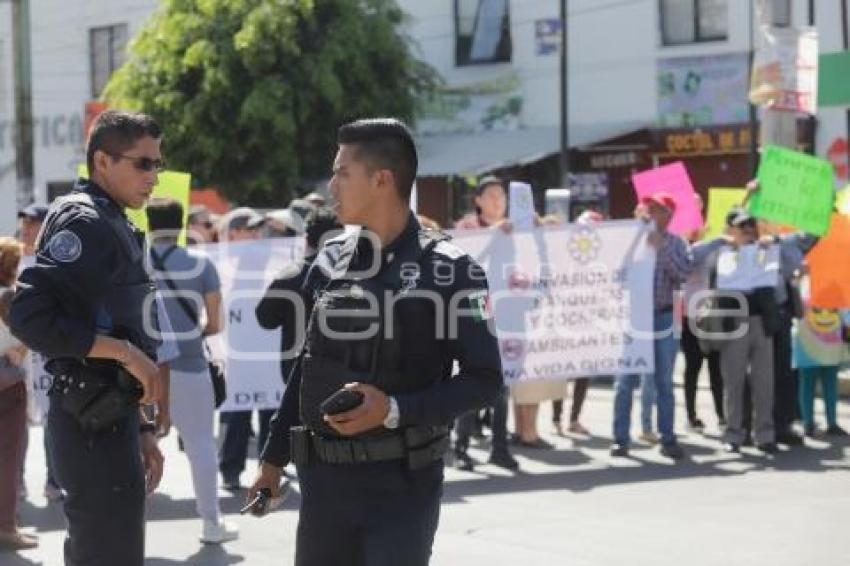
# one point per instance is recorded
(449, 250)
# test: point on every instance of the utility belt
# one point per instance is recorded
(418, 446)
(97, 393)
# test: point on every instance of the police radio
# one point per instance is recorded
(263, 503)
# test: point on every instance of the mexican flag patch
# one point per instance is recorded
(479, 304)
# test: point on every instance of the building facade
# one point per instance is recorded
(676, 69)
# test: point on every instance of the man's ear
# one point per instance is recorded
(101, 160)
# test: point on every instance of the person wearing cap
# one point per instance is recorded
(239, 225)
(674, 261)
(200, 227)
(283, 223)
(316, 199)
(30, 220)
(747, 358)
(792, 250)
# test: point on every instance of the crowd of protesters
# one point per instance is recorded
(761, 381)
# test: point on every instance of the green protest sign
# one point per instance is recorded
(834, 79)
(795, 189)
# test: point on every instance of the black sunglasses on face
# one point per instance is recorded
(145, 164)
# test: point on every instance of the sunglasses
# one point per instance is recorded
(145, 164)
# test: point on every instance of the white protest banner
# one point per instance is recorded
(521, 206)
(747, 268)
(569, 301)
(38, 384)
(251, 354)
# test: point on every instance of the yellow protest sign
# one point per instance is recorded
(720, 202)
(170, 184)
(842, 200)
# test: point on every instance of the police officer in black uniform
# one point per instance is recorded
(394, 306)
(87, 304)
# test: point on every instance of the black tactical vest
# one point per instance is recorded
(130, 290)
(347, 339)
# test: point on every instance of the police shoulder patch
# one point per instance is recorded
(65, 247)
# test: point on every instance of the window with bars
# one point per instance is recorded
(107, 52)
(780, 13)
(482, 32)
(693, 21)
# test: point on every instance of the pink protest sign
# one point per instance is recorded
(672, 179)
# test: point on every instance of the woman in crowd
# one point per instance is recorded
(13, 406)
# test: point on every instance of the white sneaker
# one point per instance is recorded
(217, 533)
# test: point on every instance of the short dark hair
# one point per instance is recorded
(320, 222)
(387, 144)
(115, 131)
(164, 214)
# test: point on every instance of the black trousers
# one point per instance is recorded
(372, 514)
(103, 477)
(465, 424)
(694, 357)
(784, 378)
(580, 386)
(237, 433)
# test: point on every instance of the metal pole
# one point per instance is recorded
(753, 155)
(23, 100)
(565, 110)
(845, 37)
(813, 120)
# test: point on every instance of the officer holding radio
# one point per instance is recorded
(365, 416)
(88, 305)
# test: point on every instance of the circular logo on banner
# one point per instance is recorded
(584, 244)
(65, 246)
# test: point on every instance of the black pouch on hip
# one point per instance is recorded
(99, 394)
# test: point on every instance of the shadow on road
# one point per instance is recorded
(210, 555)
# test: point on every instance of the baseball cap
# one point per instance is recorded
(661, 199)
(242, 218)
(739, 216)
(34, 211)
(288, 218)
(486, 181)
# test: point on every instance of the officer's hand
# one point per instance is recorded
(367, 416)
(153, 461)
(146, 373)
(268, 476)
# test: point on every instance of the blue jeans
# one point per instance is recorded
(647, 401)
(666, 346)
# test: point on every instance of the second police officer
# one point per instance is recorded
(394, 307)
(87, 305)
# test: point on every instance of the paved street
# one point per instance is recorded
(574, 506)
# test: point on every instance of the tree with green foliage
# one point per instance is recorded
(250, 93)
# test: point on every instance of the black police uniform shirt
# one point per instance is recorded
(85, 266)
(278, 310)
(445, 270)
